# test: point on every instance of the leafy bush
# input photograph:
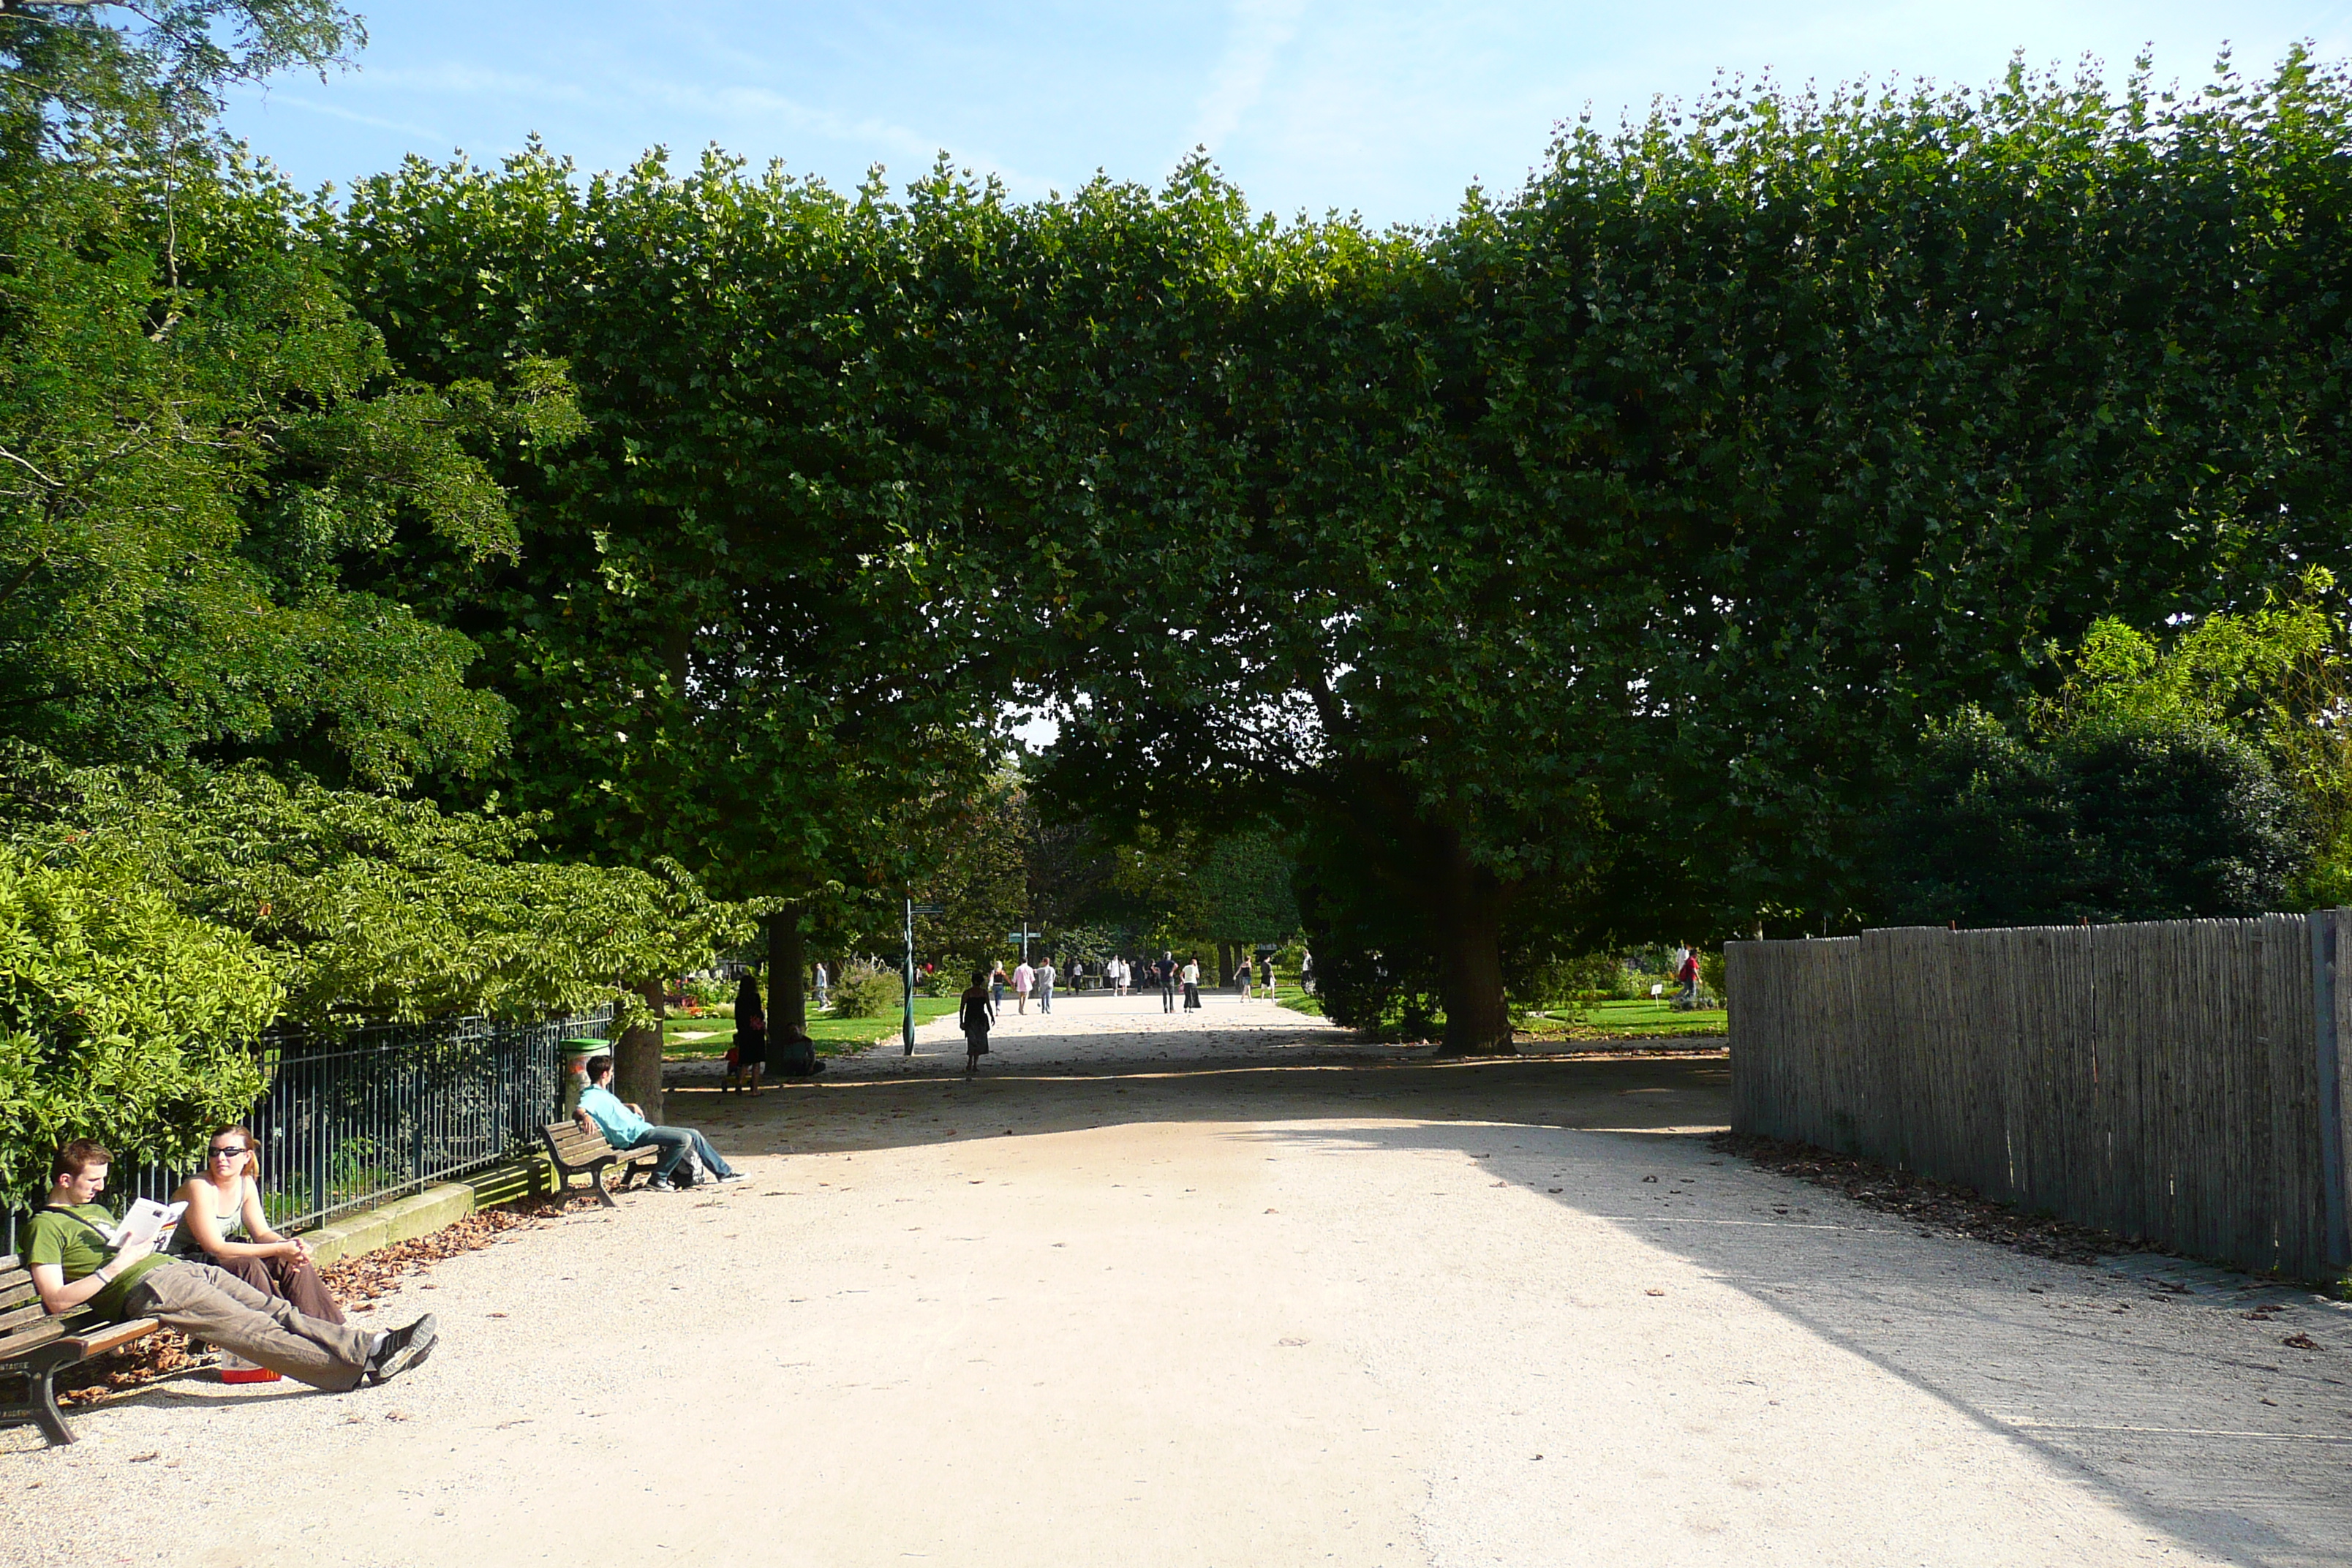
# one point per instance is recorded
(705, 994)
(151, 927)
(865, 990)
(1710, 972)
(121, 1018)
(1570, 979)
(384, 908)
(2126, 817)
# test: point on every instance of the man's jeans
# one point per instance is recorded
(674, 1141)
(1045, 997)
(1168, 996)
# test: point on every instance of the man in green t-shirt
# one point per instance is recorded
(76, 1265)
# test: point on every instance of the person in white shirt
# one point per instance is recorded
(1046, 986)
(824, 988)
(1024, 977)
(1118, 973)
(1192, 982)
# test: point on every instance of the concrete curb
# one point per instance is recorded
(421, 1214)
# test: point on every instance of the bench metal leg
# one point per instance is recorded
(41, 1399)
(596, 1180)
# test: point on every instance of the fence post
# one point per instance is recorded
(2335, 1243)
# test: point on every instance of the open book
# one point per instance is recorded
(148, 1221)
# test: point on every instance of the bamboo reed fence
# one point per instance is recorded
(2178, 1082)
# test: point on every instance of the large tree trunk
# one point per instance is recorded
(1470, 940)
(789, 1048)
(636, 1056)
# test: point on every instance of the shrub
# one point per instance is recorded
(866, 990)
(120, 1019)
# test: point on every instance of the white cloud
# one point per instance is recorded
(336, 112)
(1260, 30)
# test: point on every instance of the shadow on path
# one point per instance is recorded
(2171, 1402)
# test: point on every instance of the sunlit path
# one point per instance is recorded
(1232, 1288)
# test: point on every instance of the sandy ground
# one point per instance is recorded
(1227, 1288)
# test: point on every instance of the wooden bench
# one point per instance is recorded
(34, 1346)
(576, 1149)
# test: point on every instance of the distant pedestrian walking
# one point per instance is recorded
(1243, 975)
(975, 1014)
(1046, 986)
(1165, 972)
(996, 983)
(1192, 982)
(823, 989)
(1024, 977)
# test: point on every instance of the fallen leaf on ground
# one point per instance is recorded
(1956, 1210)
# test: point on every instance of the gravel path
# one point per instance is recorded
(1229, 1289)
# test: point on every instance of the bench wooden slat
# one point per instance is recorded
(16, 1316)
(575, 1146)
(17, 1292)
(14, 1345)
(111, 1336)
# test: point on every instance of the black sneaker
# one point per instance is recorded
(403, 1348)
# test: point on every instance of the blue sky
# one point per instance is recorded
(1390, 110)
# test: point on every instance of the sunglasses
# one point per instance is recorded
(218, 1150)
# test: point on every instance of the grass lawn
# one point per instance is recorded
(1286, 994)
(1631, 1020)
(690, 1039)
(1602, 1021)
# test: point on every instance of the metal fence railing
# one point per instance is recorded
(353, 1117)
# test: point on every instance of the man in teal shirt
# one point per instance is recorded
(625, 1127)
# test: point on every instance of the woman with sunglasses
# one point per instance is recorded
(226, 1227)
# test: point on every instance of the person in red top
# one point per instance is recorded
(1688, 975)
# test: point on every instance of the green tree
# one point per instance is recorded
(154, 70)
(718, 634)
(1587, 568)
(198, 442)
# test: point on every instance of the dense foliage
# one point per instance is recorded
(155, 925)
(2198, 773)
(1593, 564)
(202, 444)
(1674, 547)
(716, 635)
(121, 1018)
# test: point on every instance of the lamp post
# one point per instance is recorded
(907, 977)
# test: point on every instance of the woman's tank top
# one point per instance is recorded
(231, 1226)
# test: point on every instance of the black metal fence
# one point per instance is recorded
(354, 1117)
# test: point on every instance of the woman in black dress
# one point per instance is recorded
(974, 1016)
(750, 1035)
